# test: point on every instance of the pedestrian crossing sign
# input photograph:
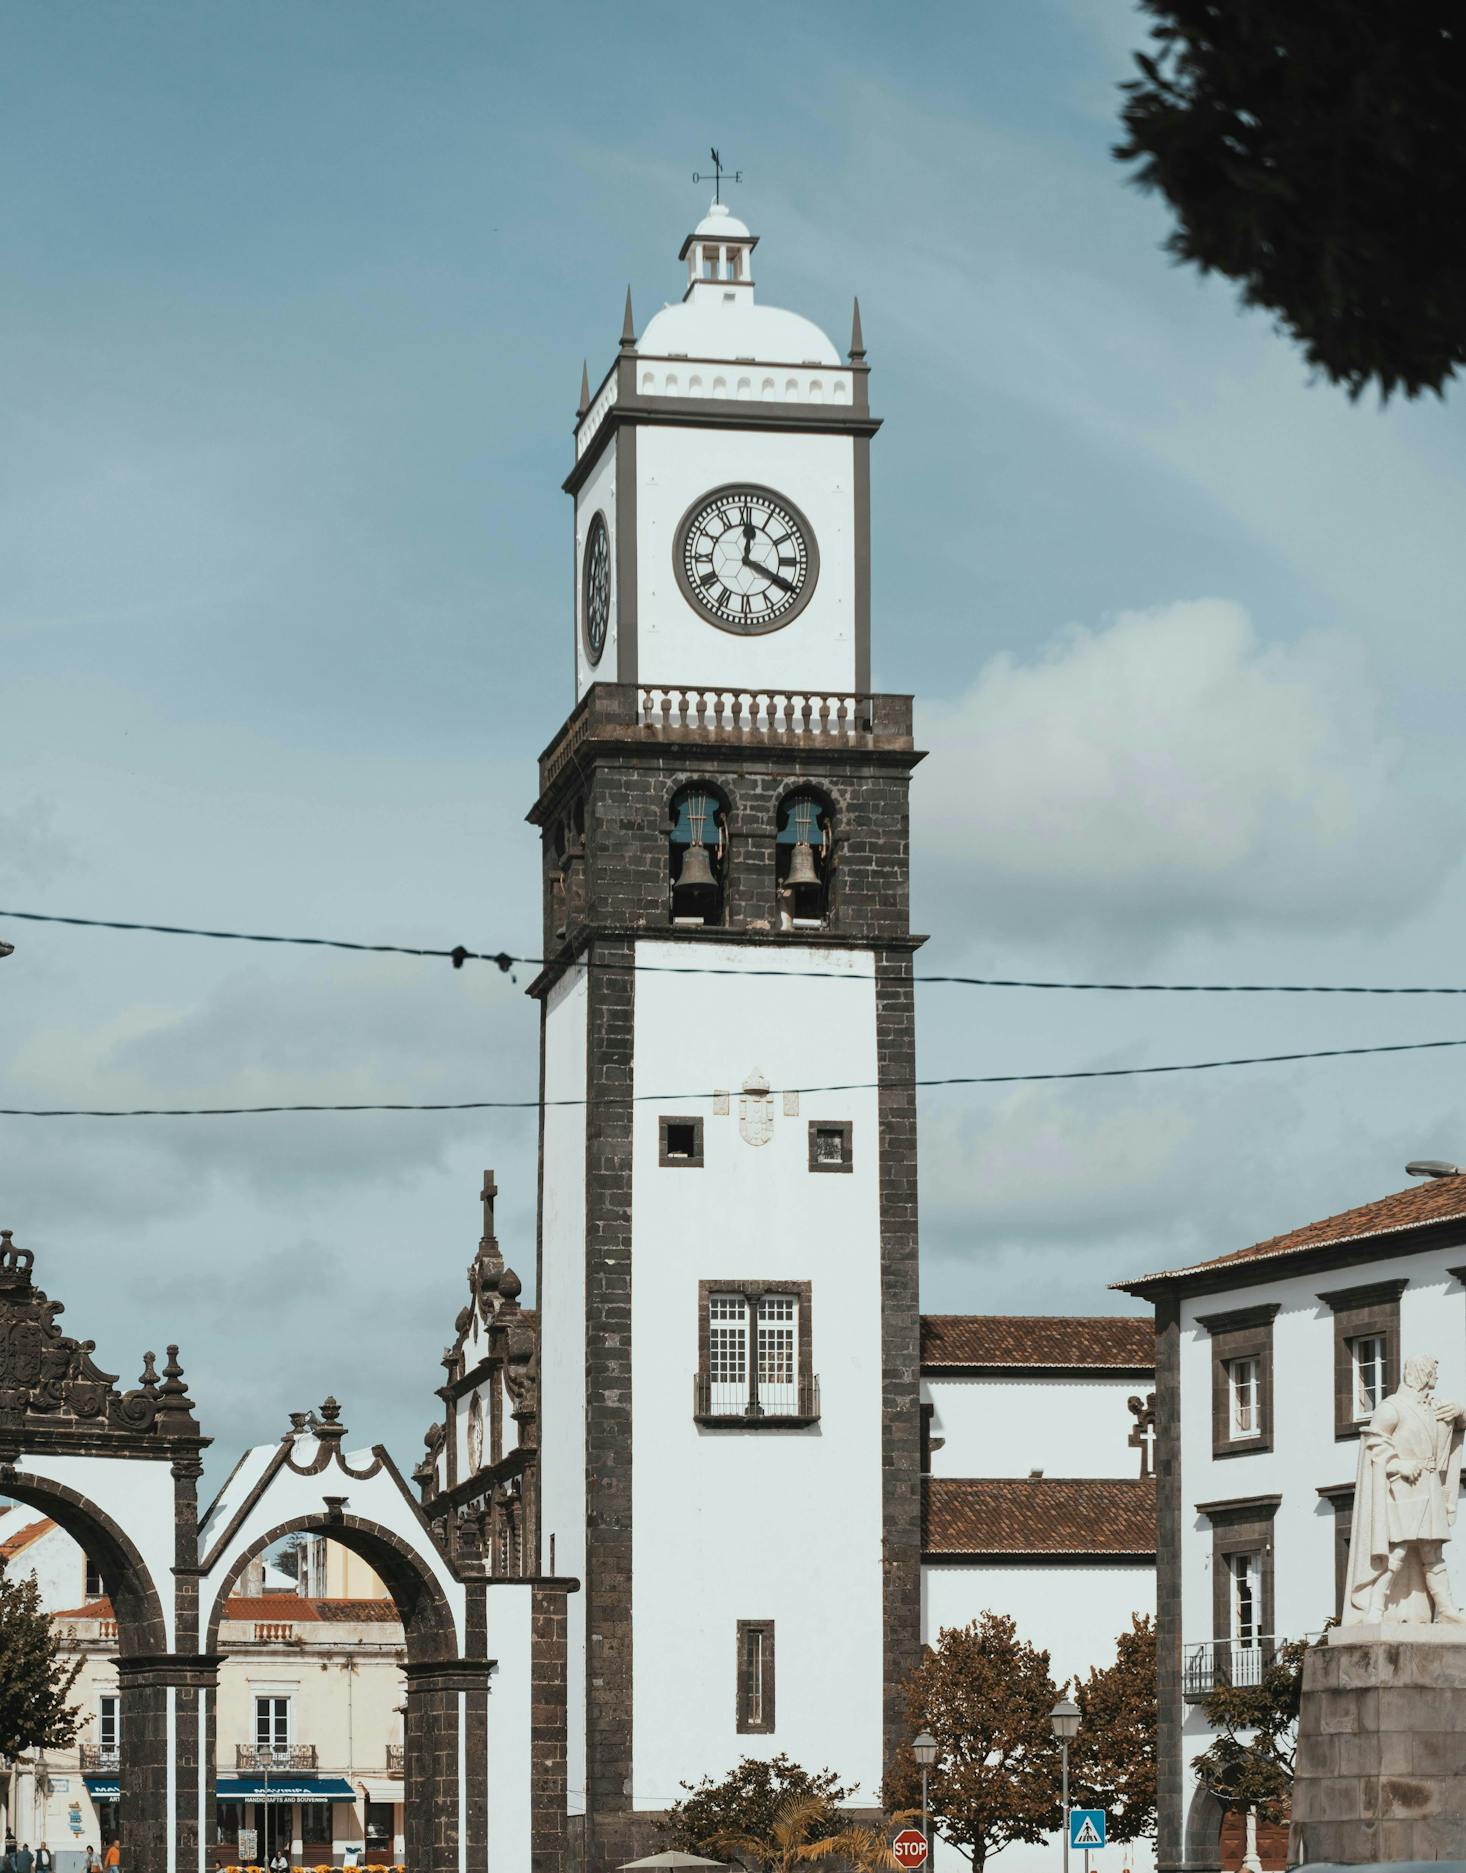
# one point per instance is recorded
(1086, 1827)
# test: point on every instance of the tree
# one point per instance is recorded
(1256, 1772)
(790, 1843)
(1113, 1759)
(985, 1695)
(748, 1803)
(34, 1678)
(1314, 155)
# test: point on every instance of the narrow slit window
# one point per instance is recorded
(755, 1672)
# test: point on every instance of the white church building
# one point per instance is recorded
(710, 1496)
(772, 1479)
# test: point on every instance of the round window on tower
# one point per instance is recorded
(595, 601)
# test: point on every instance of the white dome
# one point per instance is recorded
(708, 328)
(721, 224)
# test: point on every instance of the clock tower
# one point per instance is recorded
(730, 1446)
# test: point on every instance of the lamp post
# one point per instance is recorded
(1064, 1722)
(924, 1749)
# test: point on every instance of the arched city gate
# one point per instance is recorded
(119, 1471)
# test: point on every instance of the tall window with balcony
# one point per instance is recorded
(755, 1364)
(804, 850)
(1245, 1571)
(697, 857)
(272, 1726)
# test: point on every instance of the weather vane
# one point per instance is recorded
(720, 175)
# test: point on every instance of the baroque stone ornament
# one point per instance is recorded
(45, 1372)
(1405, 1498)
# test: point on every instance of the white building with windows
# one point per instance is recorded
(1269, 1361)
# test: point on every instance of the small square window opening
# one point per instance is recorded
(680, 1144)
(830, 1145)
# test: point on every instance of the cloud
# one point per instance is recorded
(1169, 773)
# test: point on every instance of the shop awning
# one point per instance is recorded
(284, 1788)
(380, 1788)
(101, 1787)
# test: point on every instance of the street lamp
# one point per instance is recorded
(1064, 1722)
(924, 1749)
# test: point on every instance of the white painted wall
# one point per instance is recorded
(1305, 1454)
(136, 1495)
(676, 644)
(510, 1717)
(1064, 1427)
(781, 1525)
(562, 1337)
(52, 1559)
(1075, 1614)
(597, 494)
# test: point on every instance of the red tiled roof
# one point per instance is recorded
(1120, 1341)
(1039, 1515)
(383, 1612)
(23, 1537)
(1438, 1200)
(94, 1609)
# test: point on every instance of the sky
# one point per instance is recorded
(295, 305)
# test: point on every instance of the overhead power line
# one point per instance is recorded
(504, 960)
(848, 1086)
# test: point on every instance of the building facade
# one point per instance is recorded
(1270, 1360)
(308, 1750)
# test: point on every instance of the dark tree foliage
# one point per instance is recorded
(34, 1680)
(1312, 151)
(748, 1802)
(1250, 1765)
(985, 1695)
(1112, 1762)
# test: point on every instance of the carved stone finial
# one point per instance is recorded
(148, 1377)
(510, 1286)
(175, 1407)
(300, 1423)
(584, 388)
(628, 327)
(329, 1428)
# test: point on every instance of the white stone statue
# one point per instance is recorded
(1405, 1499)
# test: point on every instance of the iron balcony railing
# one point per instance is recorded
(1209, 1663)
(794, 1401)
(100, 1758)
(271, 1758)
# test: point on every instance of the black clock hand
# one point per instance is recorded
(774, 578)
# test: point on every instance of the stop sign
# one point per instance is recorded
(909, 1847)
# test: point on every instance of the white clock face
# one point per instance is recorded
(596, 588)
(746, 558)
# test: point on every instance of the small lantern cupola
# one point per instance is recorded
(719, 256)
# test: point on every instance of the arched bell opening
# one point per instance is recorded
(429, 1791)
(697, 856)
(804, 860)
(116, 1589)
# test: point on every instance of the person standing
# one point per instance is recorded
(44, 1861)
(112, 1853)
(89, 1864)
(25, 1860)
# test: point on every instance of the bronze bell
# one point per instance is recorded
(696, 868)
(801, 865)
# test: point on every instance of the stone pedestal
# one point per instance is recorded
(1381, 1766)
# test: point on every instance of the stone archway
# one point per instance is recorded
(447, 1669)
(432, 1653)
